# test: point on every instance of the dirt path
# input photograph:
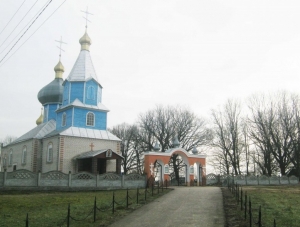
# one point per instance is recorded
(185, 206)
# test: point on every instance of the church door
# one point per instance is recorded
(101, 165)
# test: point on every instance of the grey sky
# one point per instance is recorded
(190, 52)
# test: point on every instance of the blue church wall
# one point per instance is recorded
(99, 96)
(66, 93)
(77, 91)
(91, 93)
(51, 111)
(80, 119)
(68, 119)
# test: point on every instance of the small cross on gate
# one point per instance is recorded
(92, 145)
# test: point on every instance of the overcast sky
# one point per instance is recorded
(192, 53)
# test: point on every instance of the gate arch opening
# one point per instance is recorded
(161, 161)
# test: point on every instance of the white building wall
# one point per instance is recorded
(17, 150)
(74, 146)
(50, 166)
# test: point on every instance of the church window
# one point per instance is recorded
(90, 119)
(24, 154)
(91, 93)
(50, 153)
(10, 157)
(64, 120)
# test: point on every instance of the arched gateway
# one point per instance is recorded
(194, 171)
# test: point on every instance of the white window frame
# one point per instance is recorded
(64, 120)
(24, 155)
(50, 152)
(88, 120)
(10, 158)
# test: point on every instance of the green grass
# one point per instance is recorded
(51, 208)
(277, 202)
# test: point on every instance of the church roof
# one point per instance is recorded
(78, 103)
(83, 68)
(38, 132)
(85, 133)
(91, 154)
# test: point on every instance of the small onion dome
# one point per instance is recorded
(40, 119)
(53, 92)
(176, 143)
(85, 41)
(156, 147)
(195, 151)
(59, 70)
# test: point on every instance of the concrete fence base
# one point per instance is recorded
(57, 179)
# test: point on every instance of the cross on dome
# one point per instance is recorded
(60, 43)
(86, 16)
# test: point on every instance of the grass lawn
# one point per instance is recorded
(277, 202)
(51, 208)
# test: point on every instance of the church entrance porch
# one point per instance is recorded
(99, 162)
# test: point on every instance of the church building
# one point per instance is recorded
(71, 133)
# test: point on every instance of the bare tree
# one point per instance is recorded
(128, 134)
(162, 124)
(274, 131)
(228, 136)
(8, 139)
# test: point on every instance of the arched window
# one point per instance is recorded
(90, 119)
(64, 120)
(91, 93)
(10, 157)
(24, 155)
(50, 153)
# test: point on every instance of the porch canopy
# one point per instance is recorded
(101, 161)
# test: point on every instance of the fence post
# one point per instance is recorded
(4, 177)
(158, 188)
(137, 196)
(70, 179)
(274, 224)
(245, 205)
(237, 193)
(127, 199)
(26, 220)
(250, 216)
(259, 217)
(113, 203)
(68, 217)
(145, 194)
(39, 178)
(241, 198)
(152, 188)
(95, 207)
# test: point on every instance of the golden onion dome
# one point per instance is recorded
(40, 119)
(59, 70)
(85, 41)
